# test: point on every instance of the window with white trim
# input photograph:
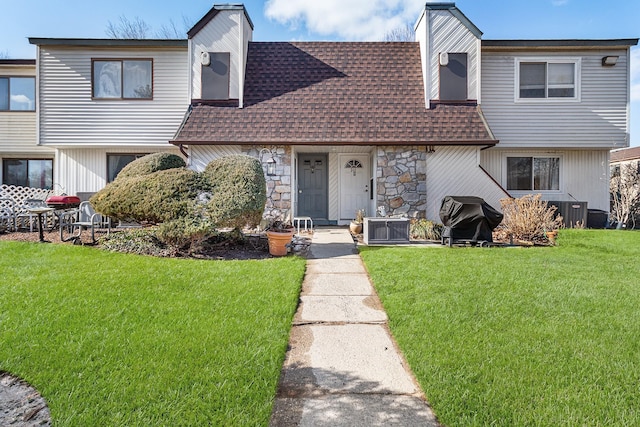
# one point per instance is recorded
(533, 173)
(547, 79)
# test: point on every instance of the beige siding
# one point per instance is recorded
(85, 170)
(224, 33)
(448, 34)
(18, 128)
(597, 120)
(584, 175)
(69, 117)
(454, 171)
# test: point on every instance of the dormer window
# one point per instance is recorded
(453, 76)
(215, 75)
(547, 79)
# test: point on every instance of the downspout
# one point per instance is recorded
(184, 121)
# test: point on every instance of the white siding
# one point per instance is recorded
(454, 171)
(584, 175)
(69, 117)
(85, 170)
(224, 33)
(201, 155)
(598, 120)
(448, 34)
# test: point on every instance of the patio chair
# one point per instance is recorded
(83, 218)
(24, 214)
(8, 213)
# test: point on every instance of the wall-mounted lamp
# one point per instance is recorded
(444, 59)
(609, 61)
(271, 161)
(431, 149)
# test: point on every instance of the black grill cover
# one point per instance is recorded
(468, 218)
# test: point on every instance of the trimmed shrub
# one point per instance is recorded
(187, 232)
(238, 191)
(156, 197)
(151, 163)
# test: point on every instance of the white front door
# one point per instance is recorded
(354, 184)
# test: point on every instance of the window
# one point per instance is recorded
(122, 78)
(215, 76)
(115, 163)
(453, 78)
(17, 94)
(533, 173)
(36, 173)
(552, 79)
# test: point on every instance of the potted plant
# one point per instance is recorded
(356, 225)
(279, 234)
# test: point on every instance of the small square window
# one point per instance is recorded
(553, 79)
(533, 173)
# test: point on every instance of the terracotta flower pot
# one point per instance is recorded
(278, 241)
(355, 227)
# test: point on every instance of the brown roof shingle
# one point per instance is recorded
(334, 93)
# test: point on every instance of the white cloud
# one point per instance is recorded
(23, 100)
(635, 73)
(353, 20)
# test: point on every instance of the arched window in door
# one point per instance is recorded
(354, 165)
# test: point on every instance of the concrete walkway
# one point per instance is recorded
(342, 367)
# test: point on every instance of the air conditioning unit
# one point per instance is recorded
(386, 230)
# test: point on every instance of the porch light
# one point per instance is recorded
(271, 161)
(609, 61)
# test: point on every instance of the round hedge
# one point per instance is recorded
(151, 163)
(231, 192)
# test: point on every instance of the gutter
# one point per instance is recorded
(184, 122)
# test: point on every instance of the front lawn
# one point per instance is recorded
(116, 339)
(520, 336)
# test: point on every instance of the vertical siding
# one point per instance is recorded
(597, 120)
(448, 34)
(454, 171)
(201, 155)
(69, 116)
(85, 170)
(221, 34)
(584, 174)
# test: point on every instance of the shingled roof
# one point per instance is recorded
(334, 93)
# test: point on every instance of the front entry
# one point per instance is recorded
(312, 186)
(354, 185)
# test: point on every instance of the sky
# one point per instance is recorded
(318, 20)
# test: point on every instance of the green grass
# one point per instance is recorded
(115, 339)
(520, 336)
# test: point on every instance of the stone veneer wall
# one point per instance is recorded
(402, 180)
(279, 186)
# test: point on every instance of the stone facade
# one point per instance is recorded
(401, 180)
(278, 186)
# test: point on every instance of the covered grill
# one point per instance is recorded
(63, 202)
(467, 219)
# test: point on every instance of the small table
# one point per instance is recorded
(40, 211)
(306, 219)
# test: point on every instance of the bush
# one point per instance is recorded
(238, 191)
(185, 233)
(157, 197)
(528, 218)
(423, 229)
(151, 163)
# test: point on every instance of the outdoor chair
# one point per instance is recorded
(8, 213)
(73, 222)
(24, 214)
